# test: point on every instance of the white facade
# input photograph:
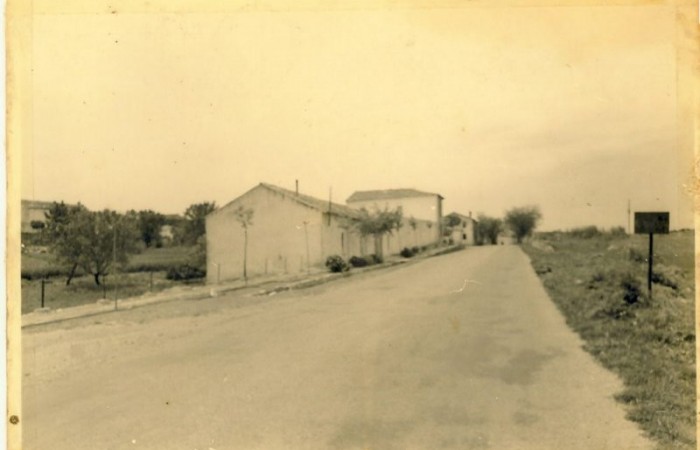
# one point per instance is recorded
(465, 232)
(421, 206)
(286, 236)
(292, 233)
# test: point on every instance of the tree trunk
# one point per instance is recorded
(97, 278)
(245, 254)
(71, 274)
(378, 246)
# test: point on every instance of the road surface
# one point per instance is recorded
(461, 351)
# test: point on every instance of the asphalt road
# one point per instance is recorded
(461, 351)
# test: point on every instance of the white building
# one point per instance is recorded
(425, 207)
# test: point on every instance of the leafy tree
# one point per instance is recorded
(488, 229)
(61, 231)
(149, 224)
(106, 237)
(449, 222)
(377, 224)
(194, 225)
(522, 221)
(244, 216)
(89, 240)
(452, 220)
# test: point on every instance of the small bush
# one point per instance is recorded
(37, 274)
(335, 263)
(152, 266)
(362, 261)
(632, 288)
(407, 252)
(618, 232)
(415, 250)
(184, 272)
(358, 261)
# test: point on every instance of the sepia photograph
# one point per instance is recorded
(429, 224)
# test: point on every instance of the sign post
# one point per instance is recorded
(651, 223)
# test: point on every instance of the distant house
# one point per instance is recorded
(290, 232)
(506, 238)
(424, 207)
(465, 231)
(33, 211)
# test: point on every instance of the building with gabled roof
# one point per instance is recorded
(465, 232)
(290, 232)
(386, 194)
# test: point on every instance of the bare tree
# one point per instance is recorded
(244, 216)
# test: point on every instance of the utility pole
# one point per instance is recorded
(114, 261)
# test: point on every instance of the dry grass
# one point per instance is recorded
(599, 284)
(83, 289)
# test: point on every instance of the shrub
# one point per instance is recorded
(37, 274)
(184, 272)
(618, 232)
(362, 261)
(335, 263)
(415, 250)
(632, 288)
(358, 261)
(407, 252)
(588, 232)
(152, 266)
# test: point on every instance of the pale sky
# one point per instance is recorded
(574, 109)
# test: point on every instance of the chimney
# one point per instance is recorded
(297, 186)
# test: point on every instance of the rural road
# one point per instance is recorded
(462, 351)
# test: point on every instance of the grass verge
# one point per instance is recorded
(599, 284)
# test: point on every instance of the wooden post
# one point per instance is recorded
(43, 283)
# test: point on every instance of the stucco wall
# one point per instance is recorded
(426, 208)
(465, 233)
(277, 239)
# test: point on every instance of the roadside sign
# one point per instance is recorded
(651, 222)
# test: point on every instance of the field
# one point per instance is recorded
(600, 285)
(145, 272)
